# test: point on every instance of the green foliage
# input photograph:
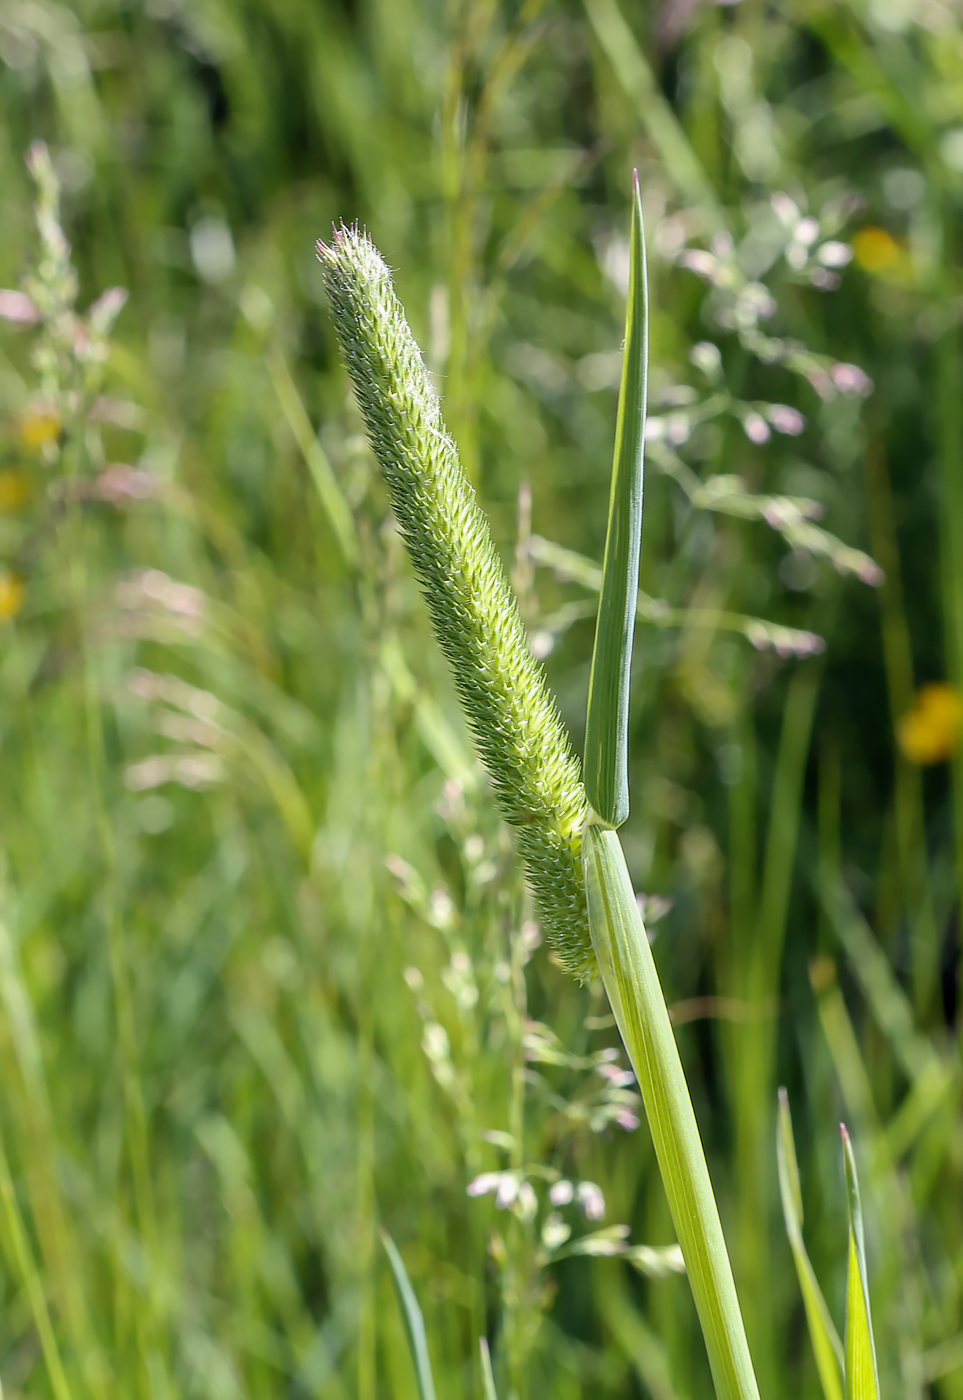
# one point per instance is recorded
(487, 1373)
(638, 1005)
(414, 1320)
(453, 555)
(607, 724)
(862, 1381)
(267, 973)
(822, 1332)
(849, 1368)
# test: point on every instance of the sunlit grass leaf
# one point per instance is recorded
(325, 482)
(825, 1339)
(606, 734)
(488, 1376)
(862, 1379)
(414, 1321)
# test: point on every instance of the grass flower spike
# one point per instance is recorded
(516, 724)
(574, 859)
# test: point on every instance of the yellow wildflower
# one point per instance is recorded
(876, 250)
(11, 595)
(14, 489)
(930, 731)
(38, 427)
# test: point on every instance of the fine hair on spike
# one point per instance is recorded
(515, 721)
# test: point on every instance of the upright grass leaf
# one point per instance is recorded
(862, 1378)
(322, 473)
(632, 983)
(21, 1256)
(618, 936)
(414, 1321)
(889, 1004)
(488, 1375)
(607, 728)
(825, 1339)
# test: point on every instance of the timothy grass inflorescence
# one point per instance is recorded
(519, 732)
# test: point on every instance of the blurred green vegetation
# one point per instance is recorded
(267, 971)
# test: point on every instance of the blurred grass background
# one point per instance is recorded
(267, 971)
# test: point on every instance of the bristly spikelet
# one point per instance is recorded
(515, 721)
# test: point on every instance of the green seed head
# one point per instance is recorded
(514, 719)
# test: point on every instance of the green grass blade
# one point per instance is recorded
(488, 1376)
(21, 1257)
(414, 1322)
(606, 735)
(888, 1003)
(322, 474)
(862, 1379)
(635, 994)
(641, 86)
(825, 1339)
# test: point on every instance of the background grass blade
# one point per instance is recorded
(414, 1321)
(862, 1380)
(641, 86)
(635, 994)
(488, 1376)
(606, 735)
(825, 1339)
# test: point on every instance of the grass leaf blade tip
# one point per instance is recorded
(606, 734)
